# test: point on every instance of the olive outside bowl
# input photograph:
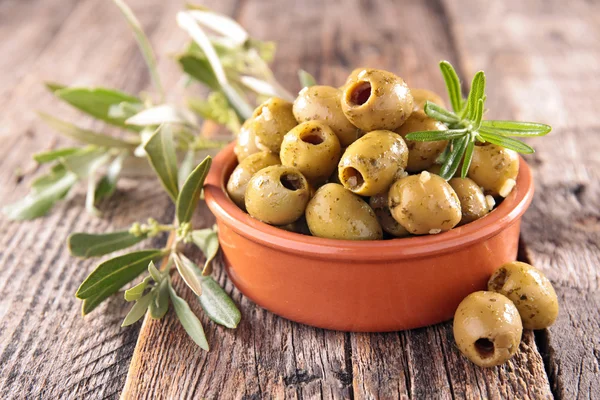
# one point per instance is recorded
(362, 286)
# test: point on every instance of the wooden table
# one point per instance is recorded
(542, 60)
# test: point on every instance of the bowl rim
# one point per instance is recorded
(225, 211)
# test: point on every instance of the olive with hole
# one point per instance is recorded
(424, 204)
(313, 148)
(494, 168)
(277, 195)
(245, 144)
(336, 213)
(487, 328)
(324, 103)
(239, 178)
(379, 204)
(374, 99)
(473, 203)
(372, 163)
(421, 96)
(422, 155)
(530, 291)
(270, 122)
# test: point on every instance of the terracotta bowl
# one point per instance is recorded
(366, 286)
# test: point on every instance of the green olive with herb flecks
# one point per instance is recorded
(374, 99)
(379, 204)
(424, 204)
(421, 96)
(494, 168)
(530, 291)
(336, 213)
(313, 148)
(270, 122)
(422, 155)
(324, 103)
(239, 178)
(487, 328)
(372, 163)
(277, 195)
(245, 144)
(473, 203)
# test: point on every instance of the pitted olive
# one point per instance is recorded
(375, 99)
(422, 155)
(336, 213)
(424, 203)
(313, 148)
(277, 195)
(372, 163)
(239, 178)
(323, 103)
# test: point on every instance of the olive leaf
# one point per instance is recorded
(264, 88)
(53, 155)
(163, 114)
(108, 184)
(93, 245)
(86, 161)
(113, 274)
(306, 79)
(154, 272)
(216, 108)
(186, 166)
(49, 189)
(97, 102)
(188, 319)
(190, 191)
(163, 158)
(139, 309)
(187, 22)
(218, 305)
(137, 291)
(84, 135)
(187, 269)
(208, 241)
(144, 45)
(160, 305)
(221, 24)
(198, 68)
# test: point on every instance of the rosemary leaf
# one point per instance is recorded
(516, 128)
(467, 159)
(451, 164)
(431, 136)
(506, 142)
(439, 113)
(452, 85)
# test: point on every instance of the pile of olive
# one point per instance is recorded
(488, 324)
(335, 164)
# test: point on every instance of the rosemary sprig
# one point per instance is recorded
(466, 125)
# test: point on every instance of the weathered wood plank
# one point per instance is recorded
(539, 69)
(47, 349)
(268, 357)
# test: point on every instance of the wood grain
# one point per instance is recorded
(47, 350)
(540, 70)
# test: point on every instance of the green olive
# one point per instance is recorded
(245, 144)
(313, 148)
(373, 162)
(323, 103)
(375, 99)
(487, 328)
(379, 204)
(422, 155)
(473, 203)
(277, 195)
(336, 213)
(494, 168)
(270, 122)
(424, 203)
(530, 291)
(239, 178)
(420, 96)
